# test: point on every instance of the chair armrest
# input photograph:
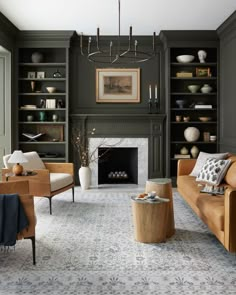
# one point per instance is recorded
(60, 168)
(185, 166)
(230, 219)
(39, 184)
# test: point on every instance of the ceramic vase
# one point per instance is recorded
(84, 177)
(184, 151)
(206, 88)
(194, 151)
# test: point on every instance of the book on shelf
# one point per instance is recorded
(184, 74)
(179, 156)
(203, 106)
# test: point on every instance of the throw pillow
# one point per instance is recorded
(213, 189)
(202, 157)
(213, 171)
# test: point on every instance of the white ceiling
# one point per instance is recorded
(145, 16)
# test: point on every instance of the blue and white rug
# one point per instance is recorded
(87, 247)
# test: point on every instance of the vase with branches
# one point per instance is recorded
(80, 141)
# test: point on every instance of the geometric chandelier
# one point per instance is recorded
(114, 52)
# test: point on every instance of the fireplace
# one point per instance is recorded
(117, 165)
(134, 152)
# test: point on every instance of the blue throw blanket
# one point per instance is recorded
(12, 219)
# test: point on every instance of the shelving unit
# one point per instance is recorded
(52, 122)
(178, 90)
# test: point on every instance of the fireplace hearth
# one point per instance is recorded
(118, 165)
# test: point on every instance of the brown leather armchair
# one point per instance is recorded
(22, 189)
(47, 180)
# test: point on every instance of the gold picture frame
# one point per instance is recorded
(118, 85)
(203, 72)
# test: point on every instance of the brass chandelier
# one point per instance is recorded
(115, 53)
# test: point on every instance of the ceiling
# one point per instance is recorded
(145, 16)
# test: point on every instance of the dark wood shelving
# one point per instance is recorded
(43, 64)
(56, 59)
(178, 90)
(42, 79)
(42, 93)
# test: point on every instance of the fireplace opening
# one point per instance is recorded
(117, 165)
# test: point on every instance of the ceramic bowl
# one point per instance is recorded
(193, 88)
(51, 89)
(185, 58)
(204, 119)
(180, 103)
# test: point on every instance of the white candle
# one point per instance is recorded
(156, 91)
(150, 91)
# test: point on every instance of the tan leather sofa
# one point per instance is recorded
(217, 211)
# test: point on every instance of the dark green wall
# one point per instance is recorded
(83, 82)
(227, 33)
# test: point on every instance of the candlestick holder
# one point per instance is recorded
(150, 106)
(156, 105)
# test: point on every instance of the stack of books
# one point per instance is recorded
(184, 74)
(203, 106)
(179, 156)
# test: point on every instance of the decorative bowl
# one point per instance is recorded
(51, 89)
(180, 103)
(185, 58)
(204, 119)
(193, 88)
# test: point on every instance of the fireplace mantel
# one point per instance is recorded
(149, 126)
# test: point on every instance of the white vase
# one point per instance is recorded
(84, 177)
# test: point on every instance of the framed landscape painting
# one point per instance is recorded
(118, 85)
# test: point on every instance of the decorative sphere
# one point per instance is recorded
(191, 134)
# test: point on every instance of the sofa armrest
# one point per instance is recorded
(230, 219)
(60, 168)
(185, 166)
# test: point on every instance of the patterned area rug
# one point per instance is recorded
(87, 247)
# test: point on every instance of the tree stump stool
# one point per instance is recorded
(163, 189)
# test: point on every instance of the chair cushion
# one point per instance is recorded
(60, 180)
(34, 161)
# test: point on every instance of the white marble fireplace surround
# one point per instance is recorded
(140, 143)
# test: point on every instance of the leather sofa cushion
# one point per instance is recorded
(212, 207)
(190, 186)
(60, 180)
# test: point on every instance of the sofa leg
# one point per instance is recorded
(50, 205)
(73, 194)
(33, 249)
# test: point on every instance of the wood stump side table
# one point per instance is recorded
(150, 220)
(163, 188)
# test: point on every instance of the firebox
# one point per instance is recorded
(117, 165)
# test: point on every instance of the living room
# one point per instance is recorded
(62, 91)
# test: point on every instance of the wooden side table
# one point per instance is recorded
(163, 188)
(150, 220)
